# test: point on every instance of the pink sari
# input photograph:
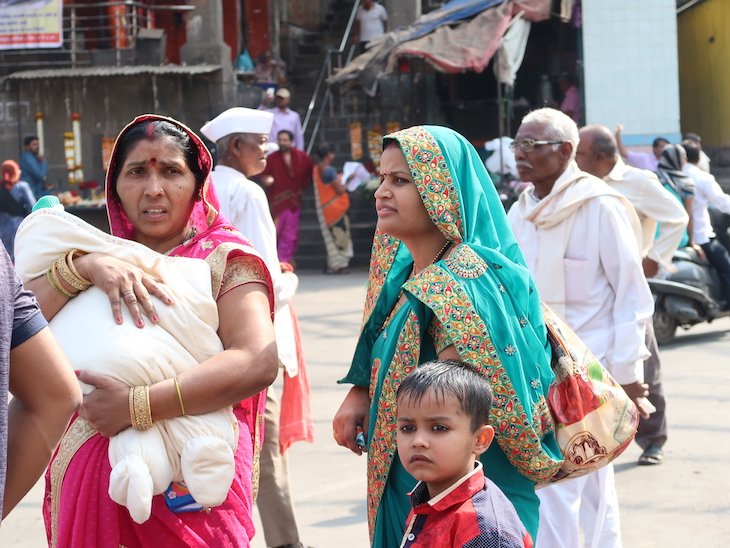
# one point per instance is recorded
(77, 509)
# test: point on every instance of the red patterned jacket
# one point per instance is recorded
(473, 512)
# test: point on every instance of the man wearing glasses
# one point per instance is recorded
(580, 239)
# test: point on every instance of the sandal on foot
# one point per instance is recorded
(652, 455)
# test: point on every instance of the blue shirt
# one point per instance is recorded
(34, 171)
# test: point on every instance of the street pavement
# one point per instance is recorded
(682, 503)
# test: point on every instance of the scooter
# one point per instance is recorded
(689, 296)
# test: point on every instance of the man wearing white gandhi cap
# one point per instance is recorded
(241, 136)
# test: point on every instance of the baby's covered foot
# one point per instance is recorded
(130, 484)
(208, 467)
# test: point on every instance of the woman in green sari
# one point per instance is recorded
(447, 280)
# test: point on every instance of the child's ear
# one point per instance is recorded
(483, 439)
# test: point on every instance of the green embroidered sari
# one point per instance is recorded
(480, 299)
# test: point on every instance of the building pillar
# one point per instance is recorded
(205, 46)
(204, 27)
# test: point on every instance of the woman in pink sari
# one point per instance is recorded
(159, 194)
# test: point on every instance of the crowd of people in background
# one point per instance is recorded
(594, 223)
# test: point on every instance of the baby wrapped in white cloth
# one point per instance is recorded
(196, 449)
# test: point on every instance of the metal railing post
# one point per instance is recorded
(327, 70)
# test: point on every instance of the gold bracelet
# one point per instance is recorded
(72, 268)
(179, 395)
(67, 275)
(142, 412)
(56, 285)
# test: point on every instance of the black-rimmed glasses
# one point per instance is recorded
(528, 145)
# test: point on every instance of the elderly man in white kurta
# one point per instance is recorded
(598, 155)
(241, 136)
(580, 239)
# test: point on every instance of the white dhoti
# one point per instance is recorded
(580, 512)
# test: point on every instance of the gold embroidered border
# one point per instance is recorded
(381, 260)
(256, 465)
(246, 269)
(77, 435)
(382, 445)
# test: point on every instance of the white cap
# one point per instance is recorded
(238, 120)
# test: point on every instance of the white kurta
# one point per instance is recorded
(654, 205)
(606, 295)
(245, 205)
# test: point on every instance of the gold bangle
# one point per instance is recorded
(179, 395)
(68, 276)
(72, 268)
(56, 285)
(149, 405)
(141, 404)
(132, 418)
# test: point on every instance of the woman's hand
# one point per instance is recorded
(353, 413)
(122, 281)
(106, 408)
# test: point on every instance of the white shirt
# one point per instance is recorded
(704, 163)
(653, 204)
(244, 204)
(607, 299)
(372, 22)
(708, 193)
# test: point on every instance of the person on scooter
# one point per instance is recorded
(598, 154)
(708, 194)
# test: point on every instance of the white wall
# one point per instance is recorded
(630, 67)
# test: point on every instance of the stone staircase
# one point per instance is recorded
(334, 130)
(406, 98)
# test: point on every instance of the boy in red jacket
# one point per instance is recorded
(443, 413)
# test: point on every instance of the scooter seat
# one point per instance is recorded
(690, 254)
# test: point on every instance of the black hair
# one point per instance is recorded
(324, 150)
(390, 143)
(29, 139)
(658, 141)
(289, 133)
(155, 129)
(451, 378)
(692, 150)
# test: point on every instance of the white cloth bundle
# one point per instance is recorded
(196, 449)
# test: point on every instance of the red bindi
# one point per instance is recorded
(153, 161)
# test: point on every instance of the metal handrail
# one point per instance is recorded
(131, 3)
(327, 94)
(323, 74)
(79, 19)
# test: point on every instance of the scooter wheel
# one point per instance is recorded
(665, 326)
